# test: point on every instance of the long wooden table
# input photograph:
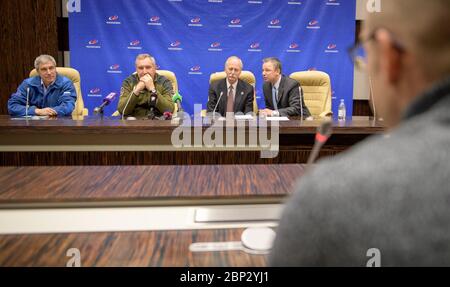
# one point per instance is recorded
(64, 188)
(164, 185)
(110, 141)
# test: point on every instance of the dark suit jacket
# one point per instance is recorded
(289, 100)
(243, 101)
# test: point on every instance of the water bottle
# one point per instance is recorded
(341, 111)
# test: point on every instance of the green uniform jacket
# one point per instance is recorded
(138, 106)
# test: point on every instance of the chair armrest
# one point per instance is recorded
(326, 114)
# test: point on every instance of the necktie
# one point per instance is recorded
(230, 101)
(274, 98)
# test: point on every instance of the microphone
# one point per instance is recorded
(323, 134)
(106, 101)
(177, 99)
(218, 101)
(152, 103)
(167, 116)
(28, 102)
(301, 102)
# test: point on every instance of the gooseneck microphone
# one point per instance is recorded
(106, 101)
(177, 99)
(126, 105)
(152, 104)
(323, 134)
(28, 102)
(218, 101)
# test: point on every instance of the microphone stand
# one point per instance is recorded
(152, 104)
(323, 133)
(99, 111)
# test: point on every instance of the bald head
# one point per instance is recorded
(422, 27)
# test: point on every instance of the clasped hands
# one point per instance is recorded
(146, 82)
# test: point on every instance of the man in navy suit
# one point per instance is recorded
(231, 95)
(282, 94)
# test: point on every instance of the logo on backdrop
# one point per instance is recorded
(215, 1)
(294, 2)
(113, 20)
(293, 48)
(255, 2)
(93, 44)
(331, 48)
(274, 24)
(215, 47)
(333, 3)
(313, 24)
(154, 21)
(95, 93)
(175, 46)
(255, 47)
(195, 22)
(114, 69)
(235, 23)
(195, 70)
(135, 45)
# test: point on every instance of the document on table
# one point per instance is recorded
(277, 119)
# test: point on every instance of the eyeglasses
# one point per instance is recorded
(358, 55)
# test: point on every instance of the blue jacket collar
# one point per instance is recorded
(36, 81)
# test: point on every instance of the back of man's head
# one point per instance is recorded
(423, 27)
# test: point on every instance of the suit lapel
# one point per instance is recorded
(223, 89)
(239, 94)
(281, 89)
(269, 92)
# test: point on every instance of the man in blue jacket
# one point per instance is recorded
(47, 94)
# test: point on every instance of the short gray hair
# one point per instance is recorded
(234, 58)
(145, 56)
(43, 59)
(275, 61)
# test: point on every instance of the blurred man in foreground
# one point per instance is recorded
(390, 193)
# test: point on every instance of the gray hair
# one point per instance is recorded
(234, 58)
(43, 59)
(275, 61)
(145, 56)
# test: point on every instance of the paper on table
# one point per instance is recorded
(277, 119)
(243, 117)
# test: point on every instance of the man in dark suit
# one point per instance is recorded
(231, 95)
(281, 93)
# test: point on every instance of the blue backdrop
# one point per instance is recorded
(193, 38)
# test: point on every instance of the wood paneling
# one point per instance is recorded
(28, 29)
(362, 108)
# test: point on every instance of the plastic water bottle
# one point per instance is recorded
(341, 111)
